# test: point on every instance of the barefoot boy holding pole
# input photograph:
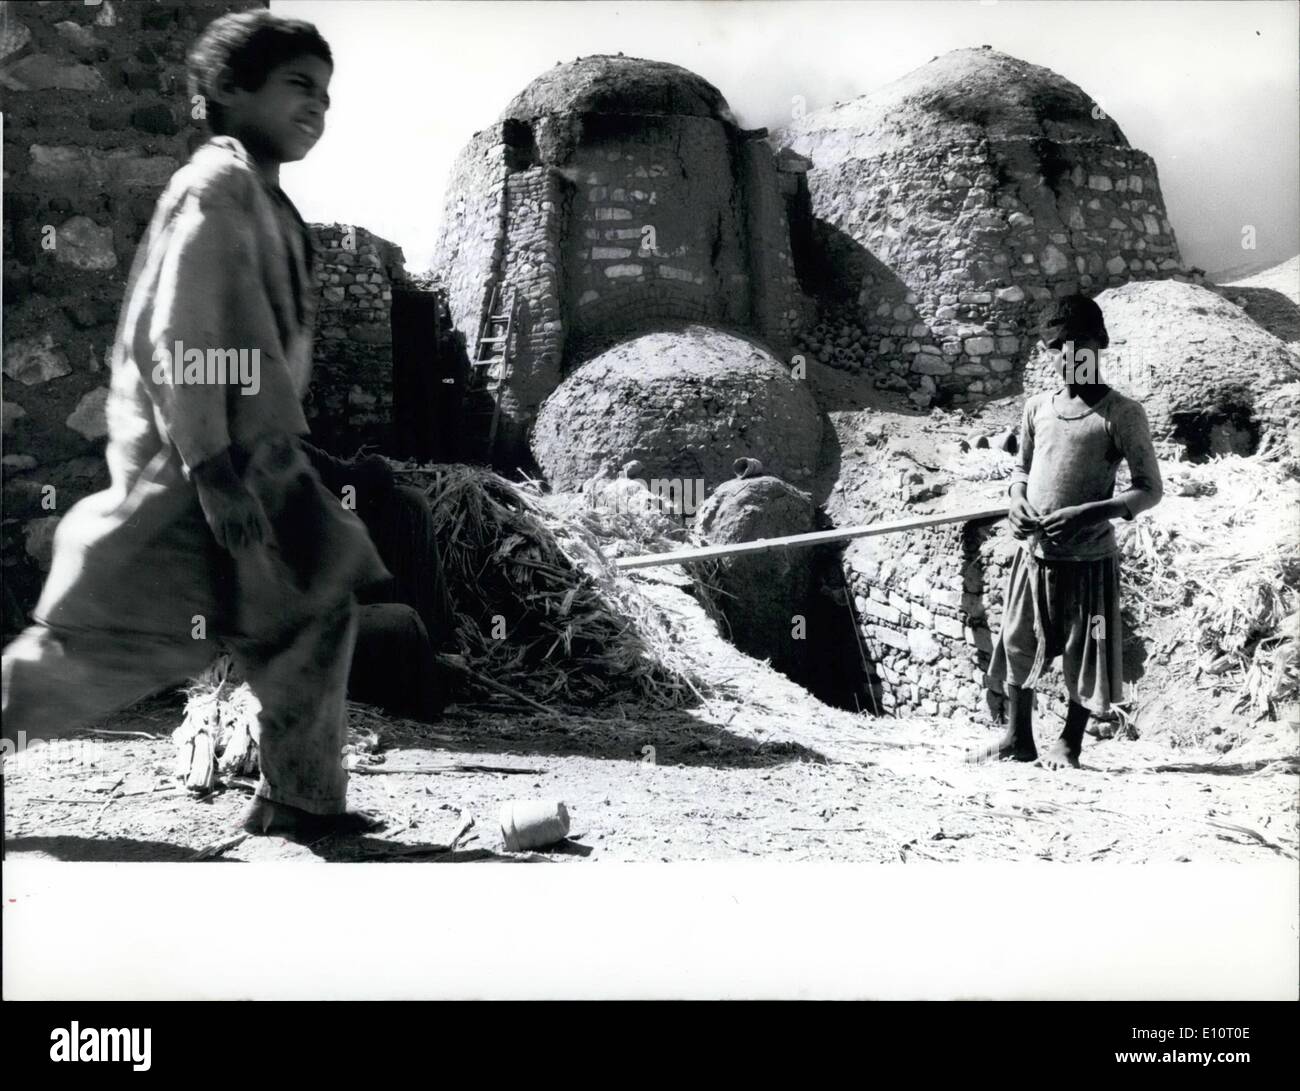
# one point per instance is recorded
(1062, 593)
(215, 526)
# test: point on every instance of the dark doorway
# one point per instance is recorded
(429, 373)
(1228, 428)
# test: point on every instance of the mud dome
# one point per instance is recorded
(686, 403)
(766, 594)
(613, 197)
(948, 207)
(1206, 374)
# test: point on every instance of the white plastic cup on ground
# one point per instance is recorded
(533, 823)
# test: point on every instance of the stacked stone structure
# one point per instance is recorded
(614, 195)
(96, 120)
(351, 399)
(949, 207)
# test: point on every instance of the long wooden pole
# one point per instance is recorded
(798, 541)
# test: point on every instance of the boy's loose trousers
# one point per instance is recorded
(139, 593)
(1062, 608)
(140, 596)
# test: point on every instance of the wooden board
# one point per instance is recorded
(798, 541)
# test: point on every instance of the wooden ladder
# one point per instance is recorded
(490, 368)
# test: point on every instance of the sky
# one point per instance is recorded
(1210, 90)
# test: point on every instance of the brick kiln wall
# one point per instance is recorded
(560, 218)
(96, 121)
(351, 397)
(534, 271)
(673, 177)
(947, 209)
(930, 605)
(711, 196)
(778, 307)
(471, 240)
(973, 249)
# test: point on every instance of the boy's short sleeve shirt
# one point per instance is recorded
(1071, 459)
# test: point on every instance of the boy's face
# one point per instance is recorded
(283, 119)
(1078, 361)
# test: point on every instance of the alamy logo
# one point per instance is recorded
(1098, 626)
(214, 367)
(77, 1043)
(1081, 366)
(678, 494)
(1135, 362)
(26, 752)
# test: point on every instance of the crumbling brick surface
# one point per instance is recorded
(614, 195)
(351, 398)
(929, 604)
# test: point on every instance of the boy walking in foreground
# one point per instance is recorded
(215, 526)
(1062, 593)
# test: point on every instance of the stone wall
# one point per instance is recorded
(962, 329)
(951, 207)
(929, 605)
(778, 307)
(605, 222)
(351, 398)
(656, 232)
(533, 278)
(472, 240)
(920, 598)
(706, 197)
(96, 121)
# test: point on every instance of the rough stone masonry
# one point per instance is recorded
(951, 205)
(614, 195)
(96, 121)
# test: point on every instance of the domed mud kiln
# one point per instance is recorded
(686, 403)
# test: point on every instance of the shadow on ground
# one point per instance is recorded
(102, 849)
(1269, 308)
(676, 736)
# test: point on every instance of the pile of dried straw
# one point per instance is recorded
(538, 605)
(1223, 543)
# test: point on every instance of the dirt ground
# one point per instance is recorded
(762, 770)
(772, 775)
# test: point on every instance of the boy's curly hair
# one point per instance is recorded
(250, 44)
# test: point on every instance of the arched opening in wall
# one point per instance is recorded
(837, 669)
(430, 369)
(809, 265)
(1052, 162)
(520, 142)
(1230, 428)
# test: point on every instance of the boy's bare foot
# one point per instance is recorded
(1060, 756)
(1005, 749)
(267, 818)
